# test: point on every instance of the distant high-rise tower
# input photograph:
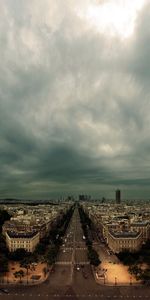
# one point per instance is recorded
(118, 196)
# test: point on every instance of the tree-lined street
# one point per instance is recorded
(72, 276)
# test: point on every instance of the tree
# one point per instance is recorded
(146, 274)
(52, 254)
(3, 248)
(40, 249)
(19, 274)
(18, 254)
(25, 264)
(88, 242)
(45, 271)
(93, 257)
(4, 216)
(3, 264)
(135, 270)
(127, 257)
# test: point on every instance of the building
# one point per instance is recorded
(143, 227)
(121, 227)
(27, 241)
(120, 241)
(118, 196)
(84, 197)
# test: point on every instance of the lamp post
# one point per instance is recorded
(130, 280)
(7, 278)
(27, 274)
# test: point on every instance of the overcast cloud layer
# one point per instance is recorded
(74, 102)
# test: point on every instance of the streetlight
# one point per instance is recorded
(7, 278)
(130, 280)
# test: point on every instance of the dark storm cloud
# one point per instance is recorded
(74, 103)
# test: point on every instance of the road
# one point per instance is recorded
(73, 277)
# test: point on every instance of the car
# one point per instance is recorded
(146, 282)
(100, 276)
(4, 291)
(85, 275)
(53, 269)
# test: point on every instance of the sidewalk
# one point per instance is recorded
(115, 275)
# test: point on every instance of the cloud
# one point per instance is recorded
(74, 103)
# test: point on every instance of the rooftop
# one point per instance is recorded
(125, 234)
(23, 235)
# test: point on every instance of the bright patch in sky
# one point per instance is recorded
(116, 17)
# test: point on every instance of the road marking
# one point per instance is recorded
(83, 296)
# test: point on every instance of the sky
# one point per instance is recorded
(74, 98)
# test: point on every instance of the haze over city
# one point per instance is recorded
(74, 98)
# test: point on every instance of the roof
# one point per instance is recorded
(24, 235)
(140, 224)
(125, 234)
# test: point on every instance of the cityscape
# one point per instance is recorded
(76, 249)
(75, 149)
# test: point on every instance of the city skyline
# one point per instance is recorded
(74, 98)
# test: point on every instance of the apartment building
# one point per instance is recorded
(119, 241)
(27, 241)
(143, 227)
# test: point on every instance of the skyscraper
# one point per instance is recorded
(118, 196)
